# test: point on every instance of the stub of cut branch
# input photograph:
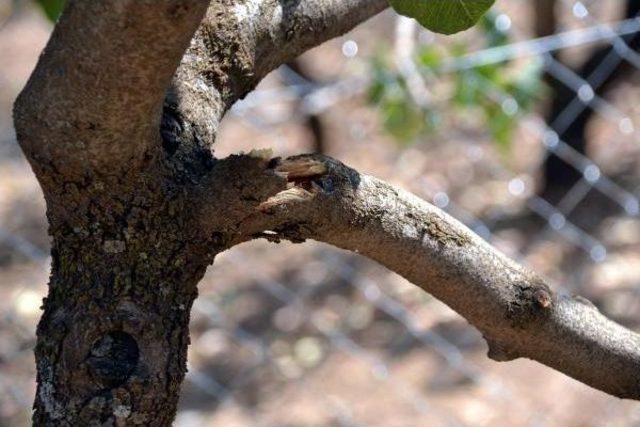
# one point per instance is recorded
(315, 197)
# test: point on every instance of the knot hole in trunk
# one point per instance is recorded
(113, 358)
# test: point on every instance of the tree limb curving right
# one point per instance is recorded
(315, 197)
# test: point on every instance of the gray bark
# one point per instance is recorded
(516, 311)
(118, 126)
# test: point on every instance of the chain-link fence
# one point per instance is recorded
(310, 335)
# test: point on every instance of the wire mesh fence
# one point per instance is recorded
(309, 335)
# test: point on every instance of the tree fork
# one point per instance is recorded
(138, 207)
(113, 339)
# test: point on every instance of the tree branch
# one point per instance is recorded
(93, 103)
(240, 42)
(519, 315)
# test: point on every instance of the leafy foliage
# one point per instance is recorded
(51, 8)
(498, 93)
(402, 116)
(443, 16)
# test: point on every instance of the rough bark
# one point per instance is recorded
(139, 207)
(112, 340)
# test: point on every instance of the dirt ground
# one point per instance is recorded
(308, 335)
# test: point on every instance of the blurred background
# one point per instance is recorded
(524, 128)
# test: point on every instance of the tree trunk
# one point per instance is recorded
(112, 342)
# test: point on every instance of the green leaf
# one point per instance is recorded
(501, 126)
(51, 8)
(403, 120)
(443, 16)
(429, 55)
